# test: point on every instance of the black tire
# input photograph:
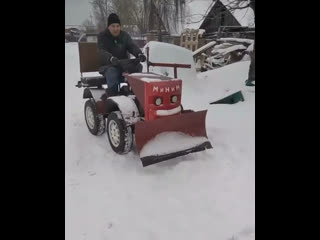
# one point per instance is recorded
(95, 122)
(120, 136)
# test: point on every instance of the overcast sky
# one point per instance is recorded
(76, 11)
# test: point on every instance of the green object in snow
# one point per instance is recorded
(231, 99)
(250, 83)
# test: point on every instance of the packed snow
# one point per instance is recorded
(125, 104)
(152, 79)
(205, 195)
(175, 141)
(143, 75)
(168, 53)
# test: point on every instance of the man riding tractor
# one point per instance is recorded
(147, 110)
(114, 44)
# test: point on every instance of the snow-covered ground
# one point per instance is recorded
(206, 195)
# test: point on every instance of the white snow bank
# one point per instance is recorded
(216, 84)
(143, 75)
(170, 142)
(168, 53)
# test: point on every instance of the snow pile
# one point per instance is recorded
(216, 84)
(170, 142)
(168, 53)
(125, 104)
(225, 51)
(152, 79)
(208, 45)
(239, 40)
(143, 75)
(230, 50)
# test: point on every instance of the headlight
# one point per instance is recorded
(174, 99)
(158, 101)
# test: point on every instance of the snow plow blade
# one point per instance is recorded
(170, 137)
(149, 160)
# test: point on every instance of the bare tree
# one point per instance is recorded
(101, 10)
(170, 12)
(127, 12)
(88, 26)
(141, 15)
(133, 14)
(166, 15)
(137, 13)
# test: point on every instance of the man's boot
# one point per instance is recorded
(110, 92)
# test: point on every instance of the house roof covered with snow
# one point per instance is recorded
(196, 10)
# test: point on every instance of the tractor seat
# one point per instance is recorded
(94, 81)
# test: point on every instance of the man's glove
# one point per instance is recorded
(114, 61)
(142, 57)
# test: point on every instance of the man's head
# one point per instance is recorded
(114, 24)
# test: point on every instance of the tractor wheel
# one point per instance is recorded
(95, 122)
(120, 136)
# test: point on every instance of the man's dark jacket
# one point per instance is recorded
(118, 47)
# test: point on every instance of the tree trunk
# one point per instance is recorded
(159, 31)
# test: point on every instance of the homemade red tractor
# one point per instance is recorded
(148, 111)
